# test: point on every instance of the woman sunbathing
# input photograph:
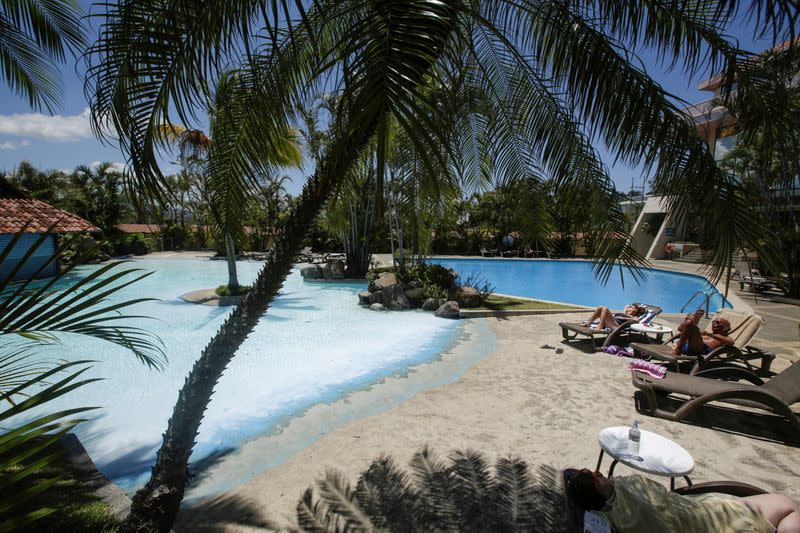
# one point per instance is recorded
(607, 321)
(694, 341)
(639, 504)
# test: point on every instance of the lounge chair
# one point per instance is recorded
(571, 330)
(713, 385)
(575, 514)
(744, 328)
(744, 275)
(488, 253)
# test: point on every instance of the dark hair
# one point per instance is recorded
(582, 491)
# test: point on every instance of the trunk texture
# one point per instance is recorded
(230, 252)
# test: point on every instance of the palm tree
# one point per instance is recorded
(461, 495)
(514, 80)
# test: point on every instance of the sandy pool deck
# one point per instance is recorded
(521, 400)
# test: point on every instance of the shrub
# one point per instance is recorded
(134, 244)
(175, 236)
(224, 290)
(481, 284)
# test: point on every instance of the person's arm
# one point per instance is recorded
(722, 340)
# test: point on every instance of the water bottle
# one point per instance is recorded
(634, 437)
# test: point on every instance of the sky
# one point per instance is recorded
(64, 140)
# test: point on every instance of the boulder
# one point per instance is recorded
(363, 298)
(429, 304)
(384, 279)
(311, 272)
(448, 310)
(395, 298)
(415, 296)
(376, 307)
(440, 302)
(376, 297)
(466, 296)
(334, 269)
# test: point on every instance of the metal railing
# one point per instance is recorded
(707, 295)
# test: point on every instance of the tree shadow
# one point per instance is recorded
(224, 513)
(735, 420)
(199, 468)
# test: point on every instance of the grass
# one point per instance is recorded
(75, 507)
(507, 303)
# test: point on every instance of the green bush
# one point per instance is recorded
(134, 244)
(175, 237)
(224, 290)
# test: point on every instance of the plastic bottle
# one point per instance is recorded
(634, 437)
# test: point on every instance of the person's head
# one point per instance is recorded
(589, 490)
(634, 310)
(720, 326)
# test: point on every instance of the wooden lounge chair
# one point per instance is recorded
(734, 488)
(571, 330)
(713, 385)
(744, 328)
(488, 253)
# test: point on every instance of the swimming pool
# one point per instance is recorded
(314, 345)
(574, 282)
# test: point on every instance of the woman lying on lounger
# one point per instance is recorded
(607, 321)
(694, 341)
(639, 504)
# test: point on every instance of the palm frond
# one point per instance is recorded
(515, 491)
(338, 496)
(385, 495)
(36, 35)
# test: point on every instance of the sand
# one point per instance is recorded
(520, 400)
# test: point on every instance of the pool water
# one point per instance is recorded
(574, 282)
(314, 345)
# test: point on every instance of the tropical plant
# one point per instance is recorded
(460, 495)
(766, 158)
(492, 89)
(35, 36)
(32, 315)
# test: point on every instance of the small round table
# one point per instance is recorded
(652, 329)
(657, 455)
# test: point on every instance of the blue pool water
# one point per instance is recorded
(314, 345)
(574, 282)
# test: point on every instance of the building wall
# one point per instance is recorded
(44, 252)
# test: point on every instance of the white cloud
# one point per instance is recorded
(114, 168)
(13, 145)
(58, 128)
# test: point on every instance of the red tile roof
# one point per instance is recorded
(139, 228)
(15, 213)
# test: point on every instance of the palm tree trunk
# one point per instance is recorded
(230, 252)
(155, 506)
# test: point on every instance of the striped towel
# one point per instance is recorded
(651, 369)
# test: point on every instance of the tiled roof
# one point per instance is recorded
(139, 228)
(15, 213)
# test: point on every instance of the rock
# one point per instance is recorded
(415, 296)
(448, 310)
(414, 284)
(466, 296)
(376, 297)
(363, 298)
(429, 304)
(334, 269)
(384, 279)
(376, 307)
(395, 298)
(440, 302)
(311, 272)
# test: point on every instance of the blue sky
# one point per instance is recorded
(65, 140)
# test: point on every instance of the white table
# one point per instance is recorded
(652, 329)
(657, 455)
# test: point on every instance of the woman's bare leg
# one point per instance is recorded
(781, 511)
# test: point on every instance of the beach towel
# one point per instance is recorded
(619, 351)
(651, 369)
